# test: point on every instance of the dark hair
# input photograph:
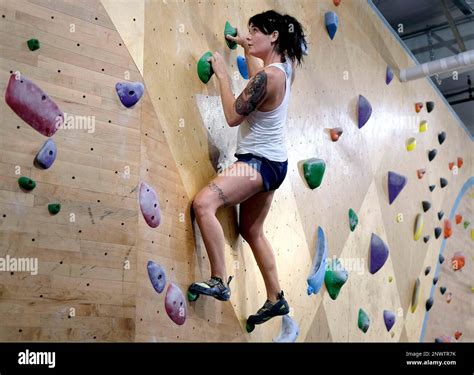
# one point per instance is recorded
(291, 40)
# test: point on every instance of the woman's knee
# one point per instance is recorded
(251, 234)
(202, 204)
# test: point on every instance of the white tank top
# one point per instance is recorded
(264, 133)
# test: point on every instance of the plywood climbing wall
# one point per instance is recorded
(92, 283)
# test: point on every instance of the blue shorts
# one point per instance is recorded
(273, 172)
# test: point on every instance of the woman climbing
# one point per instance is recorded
(261, 165)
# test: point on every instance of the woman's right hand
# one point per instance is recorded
(239, 39)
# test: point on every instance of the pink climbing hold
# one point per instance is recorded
(175, 304)
(149, 205)
(33, 105)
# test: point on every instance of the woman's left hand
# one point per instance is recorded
(218, 65)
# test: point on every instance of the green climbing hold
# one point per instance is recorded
(204, 67)
(335, 277)
(466, 224)
(54, 208)
(232, 31)
(26, 183)
(353, 219)
(314, 171)
(364, 321)
(33, 44)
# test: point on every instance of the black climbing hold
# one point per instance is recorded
(441, 137)
(426, 239)
(437, 232)
(429, 106)
(441, 258)
(443, 182)
(432, 187)
(440, 214)
(427, 270)
(435, 280)
(432, 154)
(429, 304)
(426, 205)
(442, 289)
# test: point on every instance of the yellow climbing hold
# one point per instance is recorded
(390, 279)
(411, 144)
(472, 234)
(423, 126)
(419, 224)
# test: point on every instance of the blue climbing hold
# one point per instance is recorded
(318, 270)
(378, 253)
(242, 65)
(157, 276)
(129, 93)
(46, 155)
(389, 319)
(332, 23)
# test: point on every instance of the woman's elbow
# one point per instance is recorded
(234, 121)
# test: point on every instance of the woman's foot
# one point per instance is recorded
(267, 311)
(214, 287)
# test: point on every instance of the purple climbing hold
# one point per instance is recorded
(33, 105)
(157, 276)
(129, 93)
(396, 183)
(388, 75)
(175, 304)
(378, 253)
(364, 111)
(389, 319)
(46, 155)
(149, 205)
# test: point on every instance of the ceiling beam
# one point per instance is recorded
(453, 27)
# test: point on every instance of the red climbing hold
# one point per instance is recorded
(335, 134)
(418, 107)
(458, 261)
(458, 219)
(457, 335)
(451, 166)
(460, 162)
(33, 105)
(448, 230)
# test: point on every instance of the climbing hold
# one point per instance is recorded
(448, 230)
(204, 68)
(432, 154)
(232, 31)
(444, 339)
(420, 173)
(157, 276)
(415, 296)
(429, 303)
(390, 279)
(437, 232)
(458, 261)
(435, 280)
(33, 106)
(449, 297)
(443, 182)
(458, 219)
(427, 270)
(314, 171)
(457, 335)
(426, 205)
(289, 330)
(364, 111)
(332, 22)
(335, 134)
(378, 253)
(46, 155)
(243, 68)
(460, 162)
(129, 93)
(26, 183)
(335, 277)
(423, 126)
(451, 165)
(466, 224)
(54, 208)
(363, 321)
(353, 219)
(426, 239)
(442, 289)
(389, 319)
(429, 106)
(316, 278)
(149, 205)
(432, 187)
(472, 234)
(419, 224)
(411, 144)
(175, 304)
(33, 44)
(418, 107)
(336, 2)
(440, 214)
(441, 259)
(441, 137)
(396, 183)
(388, 75)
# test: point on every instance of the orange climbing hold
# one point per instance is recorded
(458, 219)
(448, 230)
(458, 261)
(335, 134)
(451, 165)
(337, 2)
(421, 173)
(418, 107)
(460, 162)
